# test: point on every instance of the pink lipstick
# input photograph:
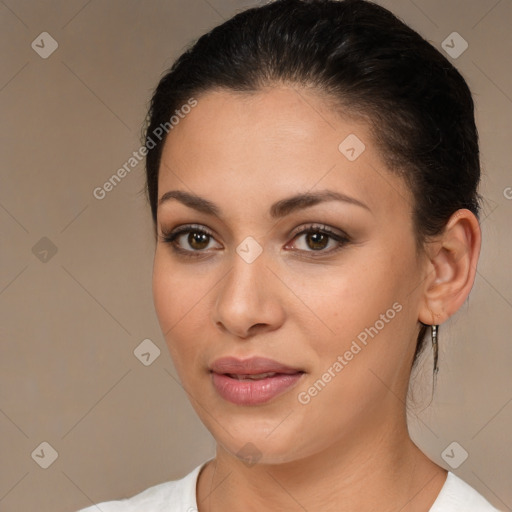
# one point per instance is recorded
(252, 381)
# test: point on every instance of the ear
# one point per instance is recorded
(451, 268)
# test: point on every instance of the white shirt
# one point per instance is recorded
(180, 496)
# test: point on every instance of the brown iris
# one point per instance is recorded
(317, 240)
(198, 240)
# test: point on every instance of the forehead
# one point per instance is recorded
(272, 143)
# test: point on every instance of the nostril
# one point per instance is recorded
(257, 328)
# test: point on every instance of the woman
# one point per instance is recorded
(312, 171)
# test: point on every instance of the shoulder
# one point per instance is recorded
(173, 496)
(458, 496)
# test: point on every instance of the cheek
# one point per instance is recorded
(176, 289)
(178, 305)
(350, 297)
(364, 309)
(165, 293)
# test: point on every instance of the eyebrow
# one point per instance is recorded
(279, 209)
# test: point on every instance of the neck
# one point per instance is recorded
(379, 468)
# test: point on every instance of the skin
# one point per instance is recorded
(349, 446)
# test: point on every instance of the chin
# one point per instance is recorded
(265, 439)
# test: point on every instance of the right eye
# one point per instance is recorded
(190, 239)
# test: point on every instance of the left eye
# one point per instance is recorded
(316, 239)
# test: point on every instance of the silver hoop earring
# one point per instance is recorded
(435, 346)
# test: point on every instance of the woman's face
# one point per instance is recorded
(336, 309)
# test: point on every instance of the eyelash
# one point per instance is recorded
(170, 238)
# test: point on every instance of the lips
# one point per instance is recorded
(252, 366)
(252, 381)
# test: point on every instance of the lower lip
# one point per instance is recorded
(253, 392)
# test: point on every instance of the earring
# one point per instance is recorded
(435, 346)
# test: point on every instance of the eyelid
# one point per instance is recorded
(184, 228)
(315, 226)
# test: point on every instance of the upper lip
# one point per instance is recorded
(251, 366)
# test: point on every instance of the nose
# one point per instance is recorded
(249, 299)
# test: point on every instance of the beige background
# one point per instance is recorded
(68, 374)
